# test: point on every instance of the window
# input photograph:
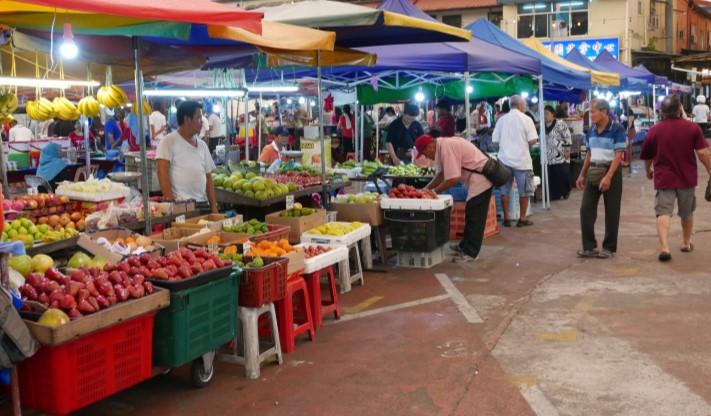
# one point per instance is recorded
(554, 20)
(453, 20)
(495, 17)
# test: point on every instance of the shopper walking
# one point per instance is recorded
(515, 134)
(601, 176)
(558, 142)
(458, 160)
(669, 153)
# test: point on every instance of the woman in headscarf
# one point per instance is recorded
(51, 163)
(558, 142)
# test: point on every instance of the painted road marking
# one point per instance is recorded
(570, 335)
(363, 305)
(390, 308)
(470, 314)
(524, 380)
(538, 401)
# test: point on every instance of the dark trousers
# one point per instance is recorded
(475, 214)
(588, 213)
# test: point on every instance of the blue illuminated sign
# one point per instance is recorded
(589, 48)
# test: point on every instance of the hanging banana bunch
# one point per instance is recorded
(147, 110)
(8, 99)
(111, 95)
(89, 107)
(65, 109)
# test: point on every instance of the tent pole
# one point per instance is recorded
(3, 166)
(84, 120)
(467, 105)
(259, 125)
(320, 120)
(362, 137)
(355, 132)
(142, 138)
(376, 119)
(543, 146)
(246, 126)
(654, 104)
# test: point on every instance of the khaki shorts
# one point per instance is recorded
(665, 199)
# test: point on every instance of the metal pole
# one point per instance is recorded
(246, 127)
(87, 150)
(362, 138)
(654, 104)
(259, 124)
(320, 119)
(376, 120)
(3, 166)
(144, 159)
(467, 105)
(543, 146)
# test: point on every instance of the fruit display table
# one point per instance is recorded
(232, 198)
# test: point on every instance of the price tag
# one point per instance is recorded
(289, 201)
(180, 219)
(246, 247)
(228, 222)
(31, 191)
(213, 248)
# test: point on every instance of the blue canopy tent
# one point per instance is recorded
(657, 80)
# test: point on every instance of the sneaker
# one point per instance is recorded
(455, 247)
(605, 254)
(463, 258)
(588, 253)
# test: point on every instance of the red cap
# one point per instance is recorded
(422, 142)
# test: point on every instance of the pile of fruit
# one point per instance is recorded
(8, 105)
(230, 253)
(362, 198)
(85, 290)
(134, 245)
(297, 211)
(271, 248)
(313, 251)
(370, 167)
(251, 185)
(178, 265)
(348, 164)
(251, 227)
(410, 192)
(336, 229)
(93, 186)
(296, 180)
(80, 260)
(22, 229)
(410, 170)
(45, 209)
(25, 264)
(89, 106)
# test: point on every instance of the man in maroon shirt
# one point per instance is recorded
(669, 153)
(445, 121)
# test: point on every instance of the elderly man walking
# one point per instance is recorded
(516, 134)
(601, 176)
(669, 153)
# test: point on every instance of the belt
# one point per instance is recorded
(601, 165)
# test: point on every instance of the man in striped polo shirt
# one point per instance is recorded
(601, 176)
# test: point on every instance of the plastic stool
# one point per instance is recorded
(319, 307)
(290, 329)
(252, 359)
(351, 270)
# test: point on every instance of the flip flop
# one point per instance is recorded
(688, 249)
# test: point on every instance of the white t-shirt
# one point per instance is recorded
(701, 113)
(189, 166)
(157, 120)
(205, 127)
(513, 132)
(20, 133)
(215, 125)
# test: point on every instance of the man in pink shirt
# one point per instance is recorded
(458, 160)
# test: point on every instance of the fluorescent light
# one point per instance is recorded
(289, 101)
(273, 88)
(419, 96)
(195, 93)
(46, 83)
(68, 48)
(524, 95)
(302, 100)
(534, 100)
(570, 4)
(534, 6)
(470, 89)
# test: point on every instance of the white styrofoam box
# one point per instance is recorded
(536, 181)
(335, 256)
(421, 260)
(442, 202)
(98, 197)
(332, 240)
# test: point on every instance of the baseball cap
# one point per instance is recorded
(422, 142)
(281, 131)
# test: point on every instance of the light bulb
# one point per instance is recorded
(68, 49)
(534, 100)
(302, 100)
(420, 96)
(470, 89)
(289, 101)
(524, 95)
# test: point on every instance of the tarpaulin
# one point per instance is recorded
(606, 60)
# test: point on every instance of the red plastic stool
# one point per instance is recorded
(319, 307)
(286, 318)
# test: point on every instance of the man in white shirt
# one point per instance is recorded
(158, 124)
(19, 132)
(214, 133)
(701, 110)
(515, 133)
(184, 161)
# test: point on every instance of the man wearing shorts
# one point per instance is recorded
(515, 133)
(669, 153)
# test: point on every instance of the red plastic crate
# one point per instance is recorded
(62, 379)
(492, 223)
(265, 285)
(457, 220)
(276, 232)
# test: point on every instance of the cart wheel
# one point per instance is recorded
(202, 373)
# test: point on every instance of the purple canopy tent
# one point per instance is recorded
(607, 61)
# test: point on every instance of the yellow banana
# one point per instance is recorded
(119, 94)
(147, 110)
(89, 106)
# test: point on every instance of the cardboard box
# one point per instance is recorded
(368, 213)
(299, 225)
(296, 262)
(87, 241)
(227, 239)
(215, 222)
(183, 207)
(174, 238)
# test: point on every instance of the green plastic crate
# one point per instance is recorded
(198, 320)
(21, 159)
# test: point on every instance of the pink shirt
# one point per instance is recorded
(454, 154)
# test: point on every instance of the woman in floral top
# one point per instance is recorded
(558, 144)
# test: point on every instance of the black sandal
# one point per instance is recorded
(507, 223)
(524, 223)
(664, 256)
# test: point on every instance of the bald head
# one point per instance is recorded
(517, 102)
(671, 106)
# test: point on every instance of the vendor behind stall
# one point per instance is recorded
(184, 161)
(402, 134)
(458, 160)
(51, 165)
(272, 151)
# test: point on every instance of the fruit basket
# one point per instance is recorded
(334, 256)
(209, 310)
(414, 204)
(346, 239)
(62, 379)
(263, 285)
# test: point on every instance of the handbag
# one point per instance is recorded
(496, 172)
(596, 173)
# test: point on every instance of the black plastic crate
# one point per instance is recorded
(418, 231)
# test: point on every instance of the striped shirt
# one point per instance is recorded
(602, 146)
